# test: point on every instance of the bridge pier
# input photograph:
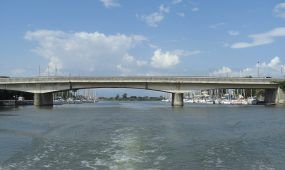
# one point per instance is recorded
(177, 99)
(45, 99)
(270, 96)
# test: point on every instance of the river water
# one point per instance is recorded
(142, 135)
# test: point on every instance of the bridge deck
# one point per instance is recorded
(141, 79)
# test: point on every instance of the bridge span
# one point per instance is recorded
(43, 87)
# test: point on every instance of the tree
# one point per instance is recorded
(117, 97)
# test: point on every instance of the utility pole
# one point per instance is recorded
(39, 71)
(48, 71)
(55, 72)
(257, 68)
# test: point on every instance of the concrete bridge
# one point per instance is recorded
(43, 87)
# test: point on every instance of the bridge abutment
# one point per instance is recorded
(274, 96)
(45, 99)
(280, 96)
(177, 99)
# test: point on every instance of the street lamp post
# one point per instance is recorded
(39, 71)
(55, 72)
(48, 71)
(257, 68)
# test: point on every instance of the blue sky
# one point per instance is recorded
(142, 37)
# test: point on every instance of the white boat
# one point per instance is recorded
(225, 101)
(58, 102)
(251, 100)
(244, 102)
(188, 101)
(77, 101)
(236, 102)
(217, 101)
(166, 100)
(70, 101)
(209, 101)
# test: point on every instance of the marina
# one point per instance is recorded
(230, 96)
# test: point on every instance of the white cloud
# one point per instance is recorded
(153, 46)
(128, 59)
(131, 65)
(274, 62)
(226, 45)
(141, 63)
(18, 71)
(224, 71)
(217, 25)
(181, 14)
(176, 1)
(83, 51)
(272, 68)
(155, 18)
(195, 9)
(163, 9)
(164, 60)
(262, 38)
(99, 54)
(123, 70)
(233, 33)
(279, 10)
(110, 3)
(186, 53)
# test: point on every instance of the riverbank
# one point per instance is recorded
(16, 103)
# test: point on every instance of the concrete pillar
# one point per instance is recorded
(177, 99)
(280, 97)
(45, 99)
(270, 96)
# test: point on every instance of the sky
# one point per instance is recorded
(142, 37)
